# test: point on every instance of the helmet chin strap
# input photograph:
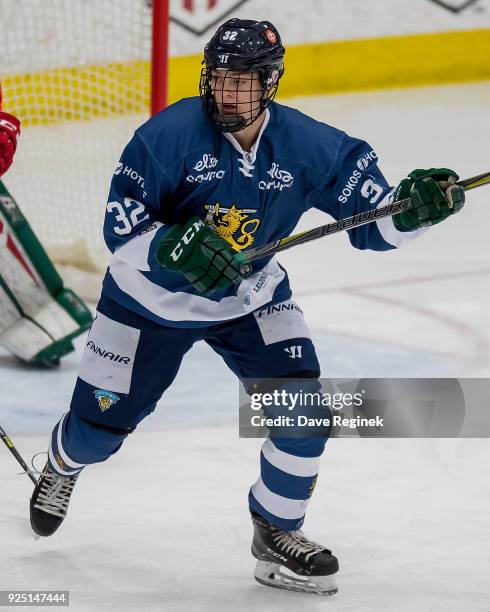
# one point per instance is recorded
(229, 123)
(232, 123)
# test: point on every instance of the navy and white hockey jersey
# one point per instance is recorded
(178, 164)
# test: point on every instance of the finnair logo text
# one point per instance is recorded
(279, 308)
(108, 354)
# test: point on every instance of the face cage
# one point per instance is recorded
(268, 78)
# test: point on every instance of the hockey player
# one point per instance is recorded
(40, 317)
(197, 184)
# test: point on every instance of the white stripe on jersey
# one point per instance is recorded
(135, 251)
(388, 230)
(253, 292)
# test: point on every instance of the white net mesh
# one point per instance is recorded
(77, 74)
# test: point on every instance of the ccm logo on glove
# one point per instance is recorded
(207, 260)
(186, 239)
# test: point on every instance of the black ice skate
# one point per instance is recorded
(288, 560)
(49, 501)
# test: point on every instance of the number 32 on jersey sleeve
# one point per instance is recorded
(126, 223)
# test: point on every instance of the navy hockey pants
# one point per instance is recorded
(129, 362)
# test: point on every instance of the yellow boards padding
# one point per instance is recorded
(85, 92)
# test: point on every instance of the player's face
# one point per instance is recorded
(236, 92)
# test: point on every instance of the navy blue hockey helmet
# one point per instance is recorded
(240, 45)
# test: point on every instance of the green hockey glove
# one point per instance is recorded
(434, 196)
(207, 261)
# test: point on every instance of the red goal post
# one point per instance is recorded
(159, 56)
(81, 76)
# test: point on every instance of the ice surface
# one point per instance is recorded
(164, 525)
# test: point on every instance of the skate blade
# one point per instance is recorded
(279, 577)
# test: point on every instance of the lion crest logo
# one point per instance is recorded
(106, 399)
(237, 226)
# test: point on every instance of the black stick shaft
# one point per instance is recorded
(368, 216)
(10, 445)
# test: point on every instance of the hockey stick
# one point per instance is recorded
(10, 445)
(348, 223)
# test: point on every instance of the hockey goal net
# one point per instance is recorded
(79, 76)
